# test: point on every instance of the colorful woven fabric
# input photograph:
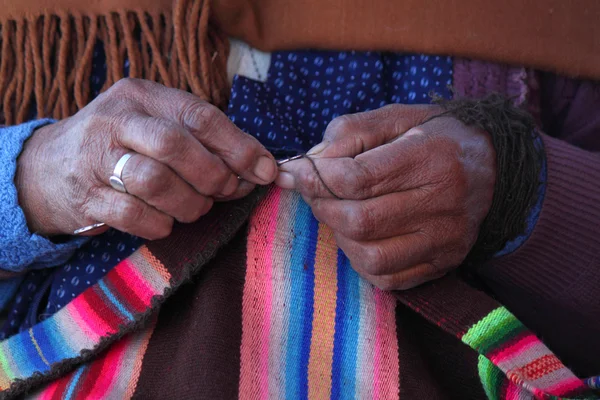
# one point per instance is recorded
(311, 327)
(521, 356)
(118, 299)
(114, 375)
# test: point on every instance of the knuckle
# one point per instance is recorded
(341, 126)
(163, 230)
(309, 183)
(153, 178)
(375, 260)
(220, 177)
(244, 158)
(83, 196)
(166, 140)
(358, 182)
(126, 212)
(197, 211)
(358, 221)
(199, 115)
(126, 86)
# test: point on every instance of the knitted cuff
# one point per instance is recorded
(21, 249)
(518, 164)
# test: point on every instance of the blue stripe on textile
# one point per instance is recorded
(62, 347)
(337, 386)
(347, 317)
(114, 300)
(309, 292)
(73, 383)
(51, 351)
(301, 302)
(25, 355)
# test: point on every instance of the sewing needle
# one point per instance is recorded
(286, 160)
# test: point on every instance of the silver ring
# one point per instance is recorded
(116, 180)
(89, 228)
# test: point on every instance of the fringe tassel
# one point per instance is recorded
(46, 61)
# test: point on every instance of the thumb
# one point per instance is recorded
(353, 134)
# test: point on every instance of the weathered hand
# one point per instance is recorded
(187, 155)
(410, 197)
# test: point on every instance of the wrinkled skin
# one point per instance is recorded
(188, 154)
(411, 197)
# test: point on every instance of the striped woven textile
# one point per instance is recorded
(118, 304)
(115, 301)
(311, 327)
(513, 362)
(521, 356)
(114, 375)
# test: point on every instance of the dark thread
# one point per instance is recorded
(314, 166)
(518, 165)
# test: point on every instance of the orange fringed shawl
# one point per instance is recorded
(47, 49)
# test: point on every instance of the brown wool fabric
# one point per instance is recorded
(556, 271)
(204, 316)
(428, 373)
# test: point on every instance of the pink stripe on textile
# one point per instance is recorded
(513, 392)
(110, 369)
(513, 350)
(256, 303)
(136, 281)
(48, 393)
(85, 317)
(386, 359)
(566, 387)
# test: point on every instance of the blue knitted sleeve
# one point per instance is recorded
(19, 248)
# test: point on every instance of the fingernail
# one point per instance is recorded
(265, 169)
(317, 149)
(285, 180)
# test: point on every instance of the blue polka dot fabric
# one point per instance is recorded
(305, 90)
(288, 114)
(44, 292)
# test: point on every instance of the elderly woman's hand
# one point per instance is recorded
(186, 155)
(405, 200)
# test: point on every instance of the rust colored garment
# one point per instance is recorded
(562, 36)
(181, 43)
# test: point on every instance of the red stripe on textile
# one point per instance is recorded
(59, 393)
(540, 367)
(506, 347)
(94, 370)
(119, 286)
(103, 308)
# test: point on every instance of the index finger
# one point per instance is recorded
(393, 167)
(241, 152)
